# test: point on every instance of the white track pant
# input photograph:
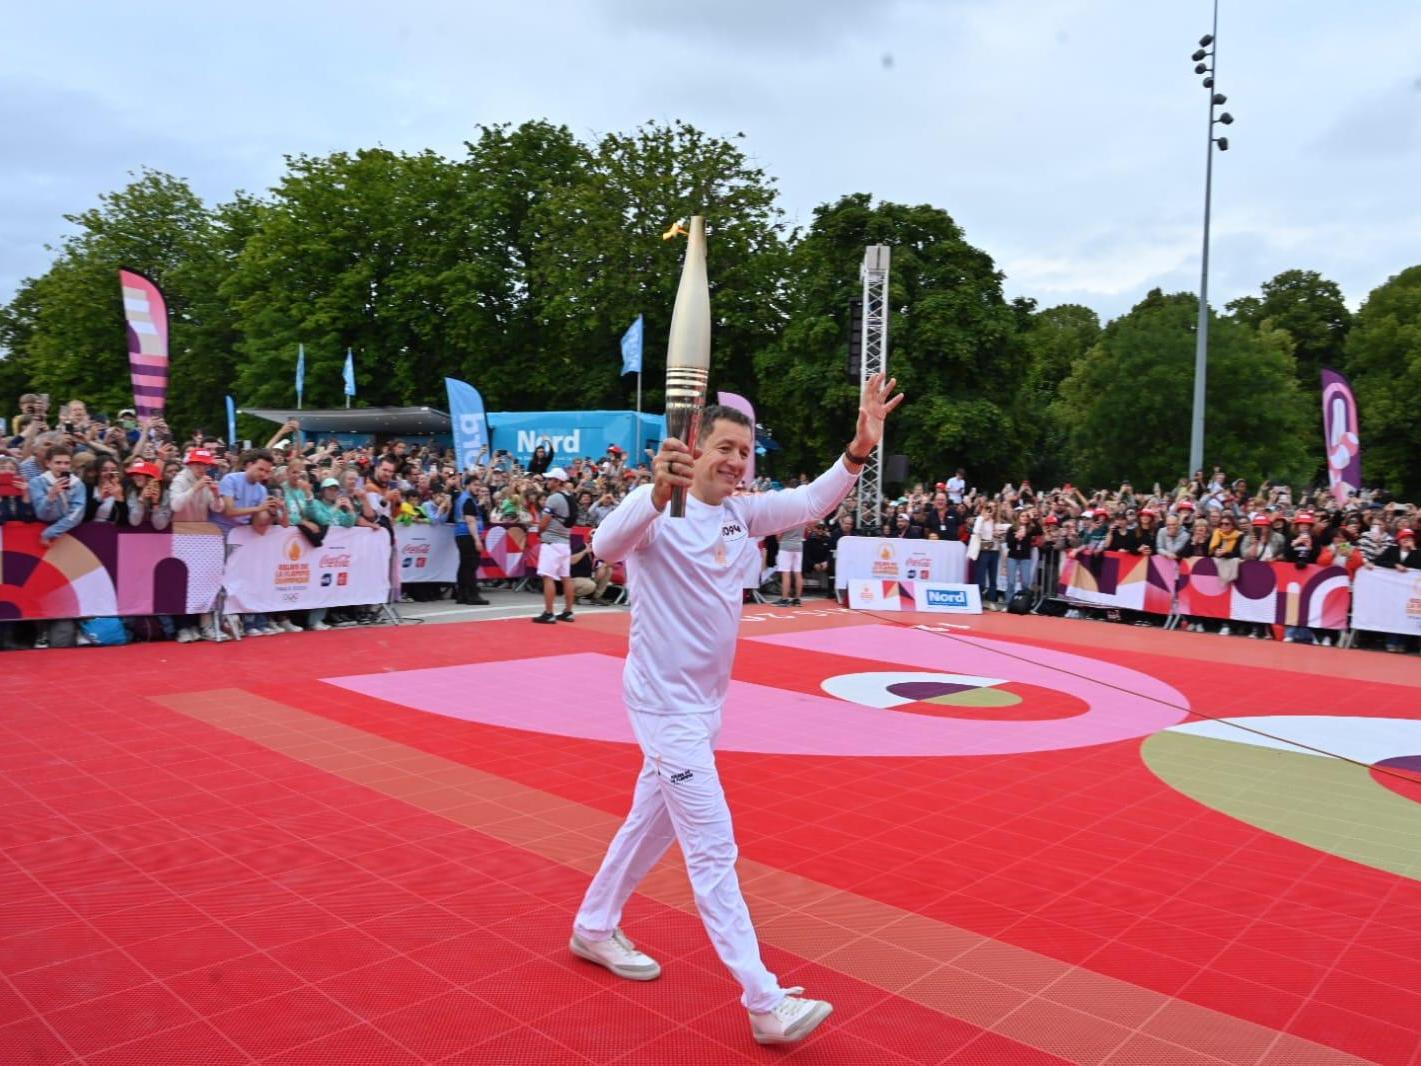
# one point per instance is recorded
(678, 797)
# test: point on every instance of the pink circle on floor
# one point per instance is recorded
(533, 694)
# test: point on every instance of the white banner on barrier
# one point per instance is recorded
(1387, 601)
(427, 553)
(280, 570)
(937, 597)
(890, 559)
(876, 596)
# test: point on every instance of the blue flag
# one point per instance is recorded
(348, 374)
(631, 347)
(300, 372)
(231, 423)
(466, 413)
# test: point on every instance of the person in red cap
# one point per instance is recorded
(1260, 543)
(193, 497)
(144, 495)
(1402, 555)
(1302, 551)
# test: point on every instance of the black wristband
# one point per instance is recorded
(857, 460)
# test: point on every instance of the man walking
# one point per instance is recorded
(685, 589)
(555, 546)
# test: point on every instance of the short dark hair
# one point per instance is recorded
(391, 458)
(253, 455)
(719, 412)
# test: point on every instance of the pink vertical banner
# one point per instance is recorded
(146, 312)
(1341, 432)
(741, 404)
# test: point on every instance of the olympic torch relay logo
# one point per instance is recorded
(293, 574)
(887, 564)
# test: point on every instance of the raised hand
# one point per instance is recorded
(876, 403)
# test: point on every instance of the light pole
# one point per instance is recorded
(1206, 63)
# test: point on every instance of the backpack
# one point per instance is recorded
(105, 632)
(145, 629)
(1020, 602)
(571, 501)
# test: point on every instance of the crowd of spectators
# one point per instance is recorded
(1213, 516)
(69, 466)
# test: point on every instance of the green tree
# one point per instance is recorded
(952, 344)
(1127, 403)
(1056, 339)
(17, 324)
(351, 252)
(66, 327)
(1384, 357)
(602, 261)
(1314, 314)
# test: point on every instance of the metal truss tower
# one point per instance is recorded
(874, 346)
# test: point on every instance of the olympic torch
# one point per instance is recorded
(688, 351)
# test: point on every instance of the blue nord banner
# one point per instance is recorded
(575, 434)
(466, 418)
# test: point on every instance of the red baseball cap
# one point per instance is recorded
(1261, 519)
(1185, 505)
(1051, 520)
(200, 455)
(1406, 533)
(1149, 511)
(140, 467)
(941, 485)
(1304, 518)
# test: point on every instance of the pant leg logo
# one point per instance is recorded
(684, 775)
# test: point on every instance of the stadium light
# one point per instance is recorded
(1206, 62)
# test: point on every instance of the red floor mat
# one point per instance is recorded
(181, 887)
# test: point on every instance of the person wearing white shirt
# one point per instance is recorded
(685, 583)
(957, 486)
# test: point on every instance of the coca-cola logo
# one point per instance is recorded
(417, 549)
(333, 561)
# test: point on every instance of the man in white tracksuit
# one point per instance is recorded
(684, 577)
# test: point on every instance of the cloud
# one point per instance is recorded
(776, 25)
(1064, 136)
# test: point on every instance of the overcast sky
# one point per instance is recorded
(1064, 136)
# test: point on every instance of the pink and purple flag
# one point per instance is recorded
(146, 311)
(1342, 433)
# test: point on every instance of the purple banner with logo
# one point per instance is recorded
(1340, 429)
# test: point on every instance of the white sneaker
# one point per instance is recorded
(290, 626)
(318, 627)
(1327, 642)
(214, 634)
(1225, 631)
(233, 625)
(617, 954)
(272, 631)
(1289, 640)
(186, 635)
(791, 1021)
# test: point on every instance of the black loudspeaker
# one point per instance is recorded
(855, 363)
(896, 469)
